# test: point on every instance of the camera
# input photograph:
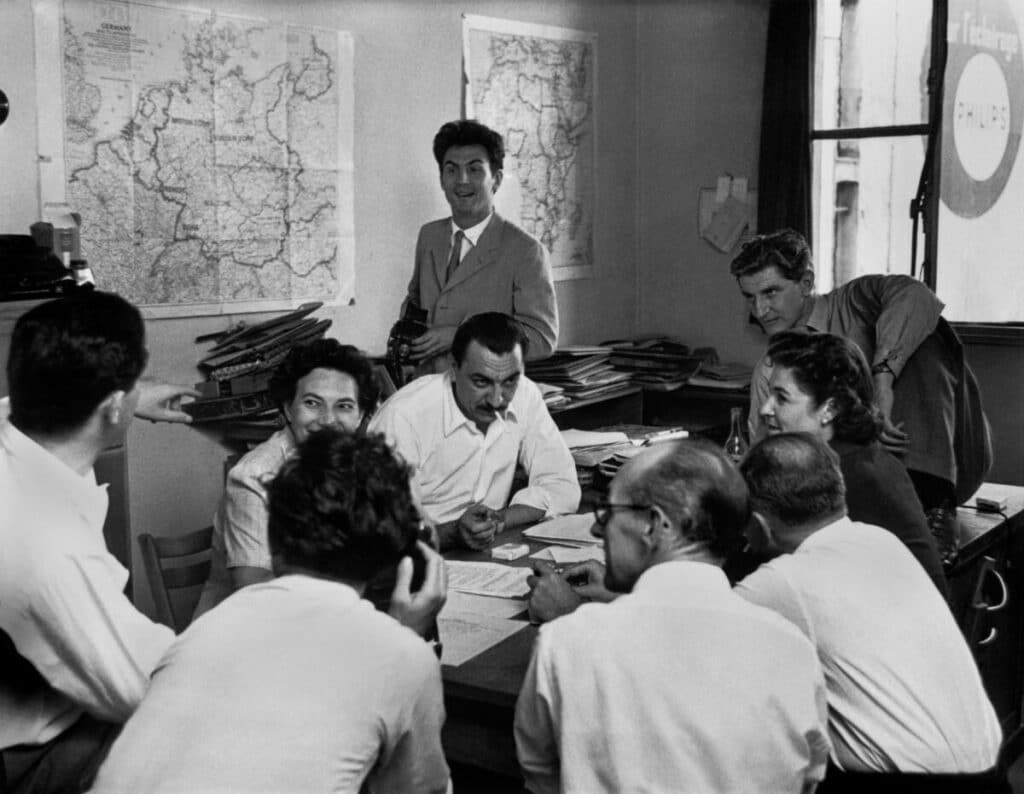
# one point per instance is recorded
(411, 325)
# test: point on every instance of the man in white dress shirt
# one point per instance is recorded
(464, 431)
(75, 655)
(679, 685)
(298, 684)
(904, 693)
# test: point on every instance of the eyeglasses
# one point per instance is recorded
(603, 510)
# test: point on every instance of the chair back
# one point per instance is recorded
(177, 568)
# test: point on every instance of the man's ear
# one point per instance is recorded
(762, 536)
(113, 408)
(658, 527)
(498, 176)
(807, 283)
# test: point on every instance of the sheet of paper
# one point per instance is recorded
(571, 530)
(488, 578)
(574, 439)
(465, 635)
(487, 606)
(568, 555)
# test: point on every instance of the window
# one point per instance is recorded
(870, 134)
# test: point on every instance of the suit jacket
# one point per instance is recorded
(507, 271)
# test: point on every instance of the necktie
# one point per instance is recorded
(453, 260)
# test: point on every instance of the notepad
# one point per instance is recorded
(571, 530)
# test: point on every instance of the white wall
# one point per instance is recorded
(679, 103)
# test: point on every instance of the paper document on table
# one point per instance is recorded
(571, 530)
(569, 555)
(487, 578)
(577, 439)
(465, 635)
(488, 606)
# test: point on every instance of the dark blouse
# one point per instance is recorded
(879, 492)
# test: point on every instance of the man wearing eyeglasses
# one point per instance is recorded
(678, 681)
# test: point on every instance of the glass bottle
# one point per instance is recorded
(736, 444)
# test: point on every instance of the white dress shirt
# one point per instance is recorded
(904, 692)
(62, 599)
(456, 464)
(291, 685)
(678, 686)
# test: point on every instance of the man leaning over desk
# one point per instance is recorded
(463, 432)
(495, 266)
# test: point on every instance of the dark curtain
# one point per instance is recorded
(784, 177)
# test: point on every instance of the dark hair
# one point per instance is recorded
(794, 477)
(786, 249)
(498, 332)
(325, 354)
(342, 506)
(470, 132)
(827, 366)
(70, 354)
(697, 486)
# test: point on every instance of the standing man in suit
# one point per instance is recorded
(476, 261)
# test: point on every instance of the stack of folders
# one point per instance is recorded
(239, 366)
(581, 372)
(659, 363)
(731, 377)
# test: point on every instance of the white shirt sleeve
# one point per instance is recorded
(553, 486)
(87, 639)
(535, 731)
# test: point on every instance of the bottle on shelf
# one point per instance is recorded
(736, 445)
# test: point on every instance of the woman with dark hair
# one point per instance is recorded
(320, 384)
(821, 384)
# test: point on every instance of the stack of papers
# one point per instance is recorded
(583, 372)
(572, 530)
(734, 377)
(660, 362)
(569, 555)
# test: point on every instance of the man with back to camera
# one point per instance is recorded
(298, 684)
(463, 432)
(904, 692)
(496, 266)
(926, 391)
(75, 655)
(678, 685)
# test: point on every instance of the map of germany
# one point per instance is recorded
(539, 92)
(206, 155)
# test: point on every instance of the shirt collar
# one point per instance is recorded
(452, 417)
(817, 537)
(818, 319)
(681, 582)
(473, 232)
(44, 467)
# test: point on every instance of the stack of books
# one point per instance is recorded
(581, 372)
(659, 363)
(239, 366)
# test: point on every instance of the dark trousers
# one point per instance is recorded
(66, 764)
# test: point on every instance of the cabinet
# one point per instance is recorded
(987, 599)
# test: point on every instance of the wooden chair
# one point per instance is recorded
(177, 568)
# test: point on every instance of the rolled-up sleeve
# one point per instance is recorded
(553, 486)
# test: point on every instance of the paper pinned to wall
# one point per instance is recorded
(727, 213)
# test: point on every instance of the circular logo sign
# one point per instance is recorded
(983, 107)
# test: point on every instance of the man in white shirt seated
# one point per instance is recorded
(298, 683)
(75, 655)
(679, 685)
(904, 693)
(464, 430)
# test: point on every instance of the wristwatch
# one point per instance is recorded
(882, 366)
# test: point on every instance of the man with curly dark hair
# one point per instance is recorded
(299, 684)
(319, 384)
(476, 261)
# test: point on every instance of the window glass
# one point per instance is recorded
(871, 63)
(861, 221)
(981, 217)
